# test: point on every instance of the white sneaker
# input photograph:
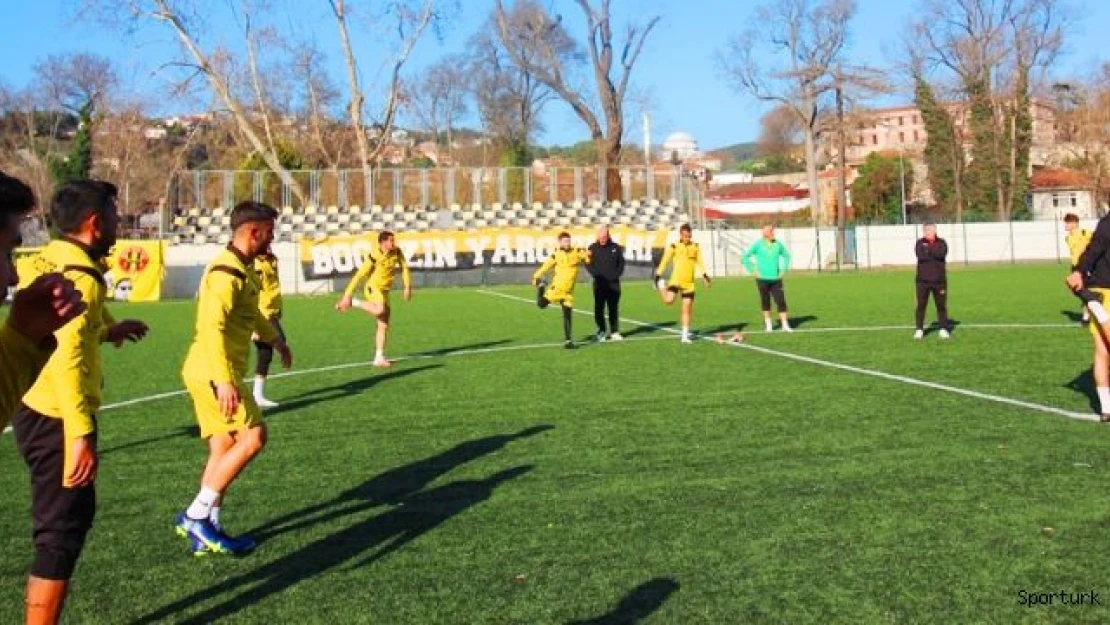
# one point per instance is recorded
(786, 328)
(382, 362)
(600, 337)
(919, 334)
(616, 336)
(686, 339)
(265, 403)
(944, 334)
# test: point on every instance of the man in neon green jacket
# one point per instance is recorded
(771, 262)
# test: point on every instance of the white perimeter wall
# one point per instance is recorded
(876, 247)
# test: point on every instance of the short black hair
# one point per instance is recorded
(685, 228)
(1071, 218)
(74, 201)
(564, 235)
(16, 199)
(251, 213)
(384, 236)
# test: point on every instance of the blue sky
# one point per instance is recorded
(678, 72)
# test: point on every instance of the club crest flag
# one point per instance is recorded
(135, 270)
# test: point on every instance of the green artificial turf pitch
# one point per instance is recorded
(494, 477)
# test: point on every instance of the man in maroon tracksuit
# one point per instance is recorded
(932, 279)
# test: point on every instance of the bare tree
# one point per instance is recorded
(780, 132)
(510, 98)
(320, 95)
(788, 57)
(438, 98)
(994, 50)
(611, 62)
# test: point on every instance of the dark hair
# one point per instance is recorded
(251, 213)
(16, 199)
(685, 228)
(1071, 218)
(74, 201)
(564, 235)
(384, 236)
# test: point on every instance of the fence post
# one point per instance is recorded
(1056, 237)
(1013, 254)
(967, 263)
(868, 227)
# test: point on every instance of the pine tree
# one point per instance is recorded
(981, 182)
(1022, 142)
(944, 155)
(77, 164)
(877, 192)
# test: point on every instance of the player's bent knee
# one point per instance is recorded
(254, 440)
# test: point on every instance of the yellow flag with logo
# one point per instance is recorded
(134, 271)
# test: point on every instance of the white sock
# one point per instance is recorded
(1099, 311)
(379, 356)
(259, 386)
(1105, 399)
(356, 302)
(202, 505)
(786, 324)
(767, 324)
(214, 515)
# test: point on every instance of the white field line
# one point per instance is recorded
(999, 399)
(353, 365)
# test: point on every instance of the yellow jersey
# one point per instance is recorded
(21, 361)
(227, 316)
(269, 296)
(379, 270)
(69, 387)
(1077, 241)
(687, 261)
(566, 264)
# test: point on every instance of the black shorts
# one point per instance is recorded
(61, 517)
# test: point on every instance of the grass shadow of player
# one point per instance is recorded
(339, 391)
(1084, 384)
(447, 351)
(637, 605)
(188, 431)
(724, 328)
(797, 322)
(393, 486)
(934, 327)
(361, 543)
(1073, 316)
(649, 329)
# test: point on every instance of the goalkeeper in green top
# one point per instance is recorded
(771, 261)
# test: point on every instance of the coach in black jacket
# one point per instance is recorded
(932, 278)
(606, 266)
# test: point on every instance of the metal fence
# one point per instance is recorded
(426, 187)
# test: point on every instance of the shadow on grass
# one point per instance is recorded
(1084, 384)
(1074, 316)
(724, 328)
(365, 540)
(655, 327)
(447, 351)
(189, 431)
(642, 602)
(934, 327)
(797, 322)
(339, 391)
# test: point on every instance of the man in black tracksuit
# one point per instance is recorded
(606, 266)
(1090, 279)
(932, 278)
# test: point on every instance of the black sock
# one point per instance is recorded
(567, 312)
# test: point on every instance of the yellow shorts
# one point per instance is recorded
(555, 294)
(211, 418)
(375, 296)
(686, 289)
(1092, 325)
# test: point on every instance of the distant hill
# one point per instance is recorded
(737, 153)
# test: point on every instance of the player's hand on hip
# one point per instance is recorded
(127, 330)
(1075, 281)
(227, 393)
(344, 304)
(84, 462)
(286, 354)
(47, 304)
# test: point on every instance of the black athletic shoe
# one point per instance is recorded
(569, 345)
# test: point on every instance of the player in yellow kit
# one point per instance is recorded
(27, 335)
(270, 305)
(56, 427)
(688, 266)
(230, 420)
(378, 271)
(565, 261)
(1077, 240)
